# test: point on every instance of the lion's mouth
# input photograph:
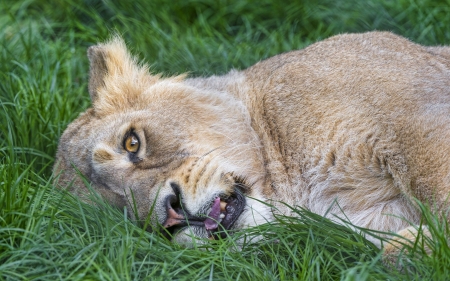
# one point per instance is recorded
(224, 213)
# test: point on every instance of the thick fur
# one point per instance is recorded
(358, 124)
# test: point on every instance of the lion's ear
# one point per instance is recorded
(116, 79)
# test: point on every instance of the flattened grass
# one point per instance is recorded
(46, 234)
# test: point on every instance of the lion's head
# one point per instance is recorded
(186, 158)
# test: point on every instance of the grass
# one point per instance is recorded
(46, 234)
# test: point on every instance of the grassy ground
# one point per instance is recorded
(45, 234)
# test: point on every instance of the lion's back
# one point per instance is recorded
(360, 117)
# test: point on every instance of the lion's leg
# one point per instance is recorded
(412, 236)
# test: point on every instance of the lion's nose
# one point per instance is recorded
(175, 214)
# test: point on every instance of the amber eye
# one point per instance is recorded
(131, 143)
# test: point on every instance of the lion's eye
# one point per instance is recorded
(131, 143)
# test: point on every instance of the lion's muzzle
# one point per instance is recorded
(223, 213)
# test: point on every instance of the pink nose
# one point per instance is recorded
(173, 217)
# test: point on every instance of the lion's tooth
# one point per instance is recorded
(222, 206)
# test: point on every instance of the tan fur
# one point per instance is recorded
(358, 124)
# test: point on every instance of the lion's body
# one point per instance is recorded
(357, 123)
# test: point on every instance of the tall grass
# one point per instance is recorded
(46, 234)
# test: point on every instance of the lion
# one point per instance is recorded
(356, 126)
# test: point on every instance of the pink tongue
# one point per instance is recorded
(211, 222)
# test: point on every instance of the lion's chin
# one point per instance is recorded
(190, 236)
(197, 235)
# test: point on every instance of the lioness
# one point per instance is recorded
(357, 125)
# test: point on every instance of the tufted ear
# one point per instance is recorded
(116, 80)
(110, 62)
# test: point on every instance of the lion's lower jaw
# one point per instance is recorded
(190, 236)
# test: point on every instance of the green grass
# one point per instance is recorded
(45, 234)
